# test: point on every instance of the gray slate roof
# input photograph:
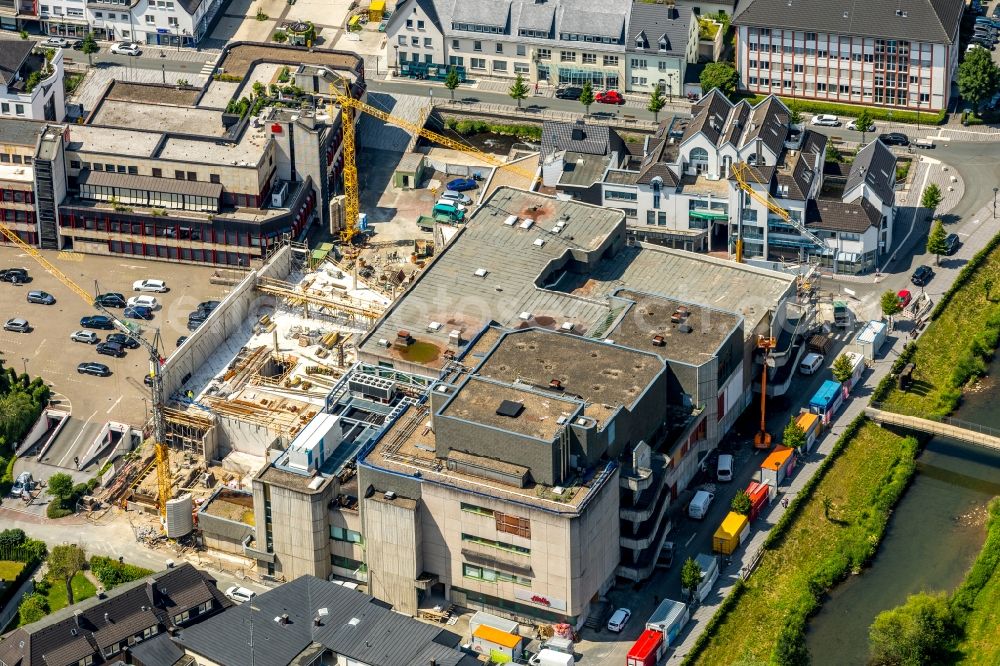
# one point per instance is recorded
(834, 215)
(579, 137)
(355, 625)
(934, 21)
(21, 132)
(13, 53)
(875, 165)
(657, 21)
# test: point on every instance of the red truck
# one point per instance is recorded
(647, 650)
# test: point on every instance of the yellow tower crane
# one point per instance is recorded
(741, 171)
(159, 423)
(348, 104)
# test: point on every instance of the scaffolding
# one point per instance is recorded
(294, 296)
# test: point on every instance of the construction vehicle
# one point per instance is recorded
(352, 203)
(155, 362)
(741, 171)
(762, 440)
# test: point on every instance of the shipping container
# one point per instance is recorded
(760, 498)
(871, 338)
(827, 400)
(857, 368)
(810, 423)
(731, 533)
(669, 619)
(503, 624)
(494, 642)
(778, 466)
(647, 650)
(709, 565)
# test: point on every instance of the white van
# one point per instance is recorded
(811, 363)
(724, 470)
(699, 505)
(548, 657)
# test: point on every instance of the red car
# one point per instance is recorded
(609, 97)
(904, 297)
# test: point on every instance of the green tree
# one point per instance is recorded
(795, 117)
(89, 47)
(921, 631)
(842, 370)
(451, 82)
(832, 154)
(587, 96)
(66, 561)
(656, 102)
(33, 608)
(741, 503)
(13, 537)
(518, 90)
(60, 486)
(863, 122)
(721, 75)
(931, 198)
(259, 89)
(978, 77)
(691, 576)
(936, 244)
(890, 304)
(794, 436)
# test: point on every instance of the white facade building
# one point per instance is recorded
(159, 22)
(662, 40)
(31, 85)
(896, 54)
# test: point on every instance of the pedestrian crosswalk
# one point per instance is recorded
(208, 68)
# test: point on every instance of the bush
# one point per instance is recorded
(963, 601)
(228, 78)
(111, 572)
(56, 510)
(852, 111)
(467, 127)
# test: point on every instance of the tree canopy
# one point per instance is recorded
(978, 77)
(721, 75)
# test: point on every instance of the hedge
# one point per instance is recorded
(852, 110)
(466, 127)
(112, 572)
(888, 382)
(965, 275)
(963, 601)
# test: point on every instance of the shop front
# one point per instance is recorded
(65, 26)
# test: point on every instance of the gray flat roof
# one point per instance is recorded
(112, 141)
(20, 132)
(164, 117)
(478, 399)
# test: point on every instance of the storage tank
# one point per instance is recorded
(179, 518)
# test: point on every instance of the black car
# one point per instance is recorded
(111, 349)
(951, 242)
(98, 321)
(569, 93)
(111, 300)
(996, 12)
(922, 275)
(987, 44)
(42, 297)
(894, 139)
(14, 275)
(208, 306)
(96, 369)
(181, 340)
(126, 341)
(193, 324)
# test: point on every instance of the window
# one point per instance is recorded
(472, 508)
(182, 617)
(414, 41)
(499, 65)
(471, 538)
(610, 61)
(521, 68)
(522, 50)
(499, 47)
(19, 109)
(420, 25)
(346, 563)
(454, 43)
(133, 171)
(150, 19)
(98, 166)
(428, 42)
(567, 56)
(409, 23)
(478, 63)
(178, 175)
(74, 164)
(191, 175)
(513, 525)
(214, 178)
(544, 54)
(5, 108)
(589, 58)
(402, 40)
(492, 575)
(157, 173)
(456, 60)
(172, 21)
(638, 63)
(477, 46)
(616, 195)
(344, 534)
(810, 36)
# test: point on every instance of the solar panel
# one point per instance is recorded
(510, 408)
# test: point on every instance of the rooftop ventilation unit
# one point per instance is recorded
(558, 490)
(510, 408)
(434, 326)
(555, 384)
(525, 316)
(511, 220)
(481, 272)
(567, 326)
(659, 341)
(556, 229)
(539, 242)
(527, 224)
(384, 343)
(390, 495)
(562, 420)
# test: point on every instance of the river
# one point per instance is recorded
(932, 538)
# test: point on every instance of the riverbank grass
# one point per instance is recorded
(864, 477)
(957, 345)
(976, 603)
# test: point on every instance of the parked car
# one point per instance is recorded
(985, 43)
(54, 43)
(922, 275)
(904, 296)
(96, 369)
(811, 363)
(126, 48)
(88, 337)
(41, 297)
(853, 125)
(450, 202)
(111, 299)
(996, 12)
(23, 483)
(951, 242)
(724, 468)
(97, 321)
(181, 340)
(461, 184)
(894, 139)
(17, 325)
(826, 120)
(143, 302)
(194, 323)
(619, 619)
(126, 341)
(157, 286)
(240, 594)
(609, 97)
(208, 306)
(570, 92)
(464, 199)
(698, 507)
(14, 275)
(111, 349)
(138, 312)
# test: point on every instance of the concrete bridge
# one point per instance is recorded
(971, 433)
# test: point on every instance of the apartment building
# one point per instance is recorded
(156, 22)
(31, 81)
(662, 40)
(892, 54)
(17, 197)
(561, 42)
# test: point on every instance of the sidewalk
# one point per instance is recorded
(981, 227)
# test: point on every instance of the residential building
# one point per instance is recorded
(898, 54)
(160, 22)
(17, 176)
(313, 621)
(116, 626)
(562, 42)
(31, 81)
(662, 40)
(18, 15)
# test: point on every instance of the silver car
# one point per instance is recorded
(88, 337)
(17, 326)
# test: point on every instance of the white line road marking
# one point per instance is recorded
(72, 446)
(114, 405)
(690, 539)
(41, 344)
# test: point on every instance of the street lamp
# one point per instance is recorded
(995, 190)
(24, 360)
(395, 68)
(670, 91)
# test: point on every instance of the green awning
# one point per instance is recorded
(707, 215)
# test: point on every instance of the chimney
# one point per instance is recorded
(284, 618)
(77, 614)
(107, 618)
(151, 591)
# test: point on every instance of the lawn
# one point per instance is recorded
(82, 589)
(10, 570)
(982, 638)
(946, 341)
(864, 481)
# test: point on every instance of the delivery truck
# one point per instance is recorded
(731, 533)
(547, 657)
(647, 650)
(669, 619)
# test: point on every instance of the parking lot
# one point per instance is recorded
(48, 351)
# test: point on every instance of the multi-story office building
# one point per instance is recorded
(523, 455)
(895, 54)
(17, 176)
(162, 22)
(31, 81)
(562, 42)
